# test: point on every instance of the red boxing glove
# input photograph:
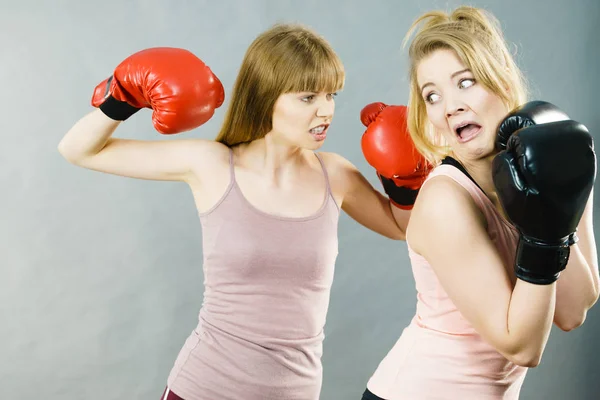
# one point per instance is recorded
(388, 147)
(180, 89)
(370, 112)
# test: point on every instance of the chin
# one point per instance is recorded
(476, 150)
(482, 152)
(314, 146)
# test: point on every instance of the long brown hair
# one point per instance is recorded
(285, 58)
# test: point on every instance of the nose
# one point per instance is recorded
(326, 107)
(454, 106)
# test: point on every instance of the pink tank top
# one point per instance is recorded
(267, 286)
(440, 355)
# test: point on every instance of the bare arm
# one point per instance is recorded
(577, 288)
(449, 230)
(363, 203)
(89, 144)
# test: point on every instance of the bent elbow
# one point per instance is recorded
(69, 156)
(63, 151)
(398, 236)
(526, 354)
(595, 298)
(571, 323)
(526, 359)
(529, 362)
(61, 148)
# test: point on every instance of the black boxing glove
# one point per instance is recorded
(532, 113)
(544, 179)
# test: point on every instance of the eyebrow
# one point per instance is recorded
(451, 76)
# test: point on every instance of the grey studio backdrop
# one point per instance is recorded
(101, 276)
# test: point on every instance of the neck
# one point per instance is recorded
(273, 159)
(481, 172)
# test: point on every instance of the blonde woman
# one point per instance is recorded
(500, 237)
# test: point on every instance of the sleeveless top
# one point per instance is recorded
(267, 282)
(440, 355)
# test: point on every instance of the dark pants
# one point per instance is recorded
(367, 395)
(168, 395)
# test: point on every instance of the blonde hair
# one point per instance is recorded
(476, 38)
(285, 58)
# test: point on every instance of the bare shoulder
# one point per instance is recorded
(337, 164)
(207, 158)
(204, 150)
(444, 213)
(204, 154)
(340, 172)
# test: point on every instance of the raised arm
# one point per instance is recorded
(388, 148)
(577, 289)
(181, 91)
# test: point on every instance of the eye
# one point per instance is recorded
(466, 83)
(331, 96)
(432, 98)
(308, 99)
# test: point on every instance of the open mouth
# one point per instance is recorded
(319, 132)
(467, 131)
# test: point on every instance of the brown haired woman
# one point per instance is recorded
(268, 203)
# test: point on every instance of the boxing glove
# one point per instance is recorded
(543, 180)
(180, 89)
(387, 146)
(532, 113)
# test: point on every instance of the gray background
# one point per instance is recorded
(101, 277)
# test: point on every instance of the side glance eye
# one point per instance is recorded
(466, 83)
(432, 98)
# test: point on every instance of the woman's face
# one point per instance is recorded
(464, 111)
(302, 119)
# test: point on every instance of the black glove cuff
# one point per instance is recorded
(399, 195)
(541, 263)
(573, 238)
(117, 110)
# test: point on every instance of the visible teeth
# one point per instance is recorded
(318, 129)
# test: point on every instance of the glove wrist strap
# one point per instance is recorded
(540, 262)
(117, 110)
(402, 197)
(573, 238)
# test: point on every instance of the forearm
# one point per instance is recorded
(577, 289)
(529, 320)
(576, 292)
(401, 216)
(373, 210)
(88, 136)
(586, 246)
